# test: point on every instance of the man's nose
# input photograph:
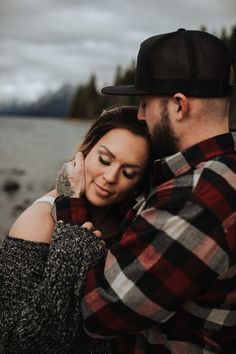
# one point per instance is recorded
(141, 115)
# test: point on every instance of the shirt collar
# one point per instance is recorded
(182, 162)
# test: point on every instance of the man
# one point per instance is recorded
(169, 284)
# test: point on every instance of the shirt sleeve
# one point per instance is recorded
(167, 256)
(70, 210)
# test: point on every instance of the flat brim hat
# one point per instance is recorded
(195, 63)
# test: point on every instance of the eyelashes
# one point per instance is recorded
(103, 161)
(129, 175)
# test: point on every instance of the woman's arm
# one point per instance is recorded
(21, 271)
(46, 316)
(50, 318)
(35, 223)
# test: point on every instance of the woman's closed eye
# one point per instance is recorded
(104, 161)
(131, 174)
(128, 172)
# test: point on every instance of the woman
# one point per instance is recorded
(41, 283)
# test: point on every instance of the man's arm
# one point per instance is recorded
(165, 258)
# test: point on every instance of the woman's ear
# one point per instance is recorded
(182, 103)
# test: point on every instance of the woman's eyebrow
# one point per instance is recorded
(109, 152)
(127, 164)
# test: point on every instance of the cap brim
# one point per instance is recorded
(124, 90)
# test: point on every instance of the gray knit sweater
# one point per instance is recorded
(40, 292)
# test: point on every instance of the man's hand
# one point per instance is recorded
(71, 178)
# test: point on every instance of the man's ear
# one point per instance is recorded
(182, 104)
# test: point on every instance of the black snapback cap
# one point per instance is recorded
(195, 63)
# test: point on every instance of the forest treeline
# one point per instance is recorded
(88, 102)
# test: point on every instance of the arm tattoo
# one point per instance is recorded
(63, 185)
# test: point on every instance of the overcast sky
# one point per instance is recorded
(47, 43)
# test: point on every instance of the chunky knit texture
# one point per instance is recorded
(40, 292)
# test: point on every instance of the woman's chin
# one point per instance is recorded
(98, 202)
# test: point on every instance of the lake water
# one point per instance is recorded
(31, 152)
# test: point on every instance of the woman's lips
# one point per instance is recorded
(102, 191)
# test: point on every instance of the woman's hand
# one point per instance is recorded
(71, 178)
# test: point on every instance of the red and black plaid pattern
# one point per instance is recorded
(169, 284)
(71, 210)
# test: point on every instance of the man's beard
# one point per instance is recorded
(163, 138)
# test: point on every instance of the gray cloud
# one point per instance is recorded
(47, 43)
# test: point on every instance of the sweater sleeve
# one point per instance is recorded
(51, 321)
(21, 271)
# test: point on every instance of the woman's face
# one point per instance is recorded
(114, 166)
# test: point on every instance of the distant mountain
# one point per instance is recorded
(51, 104)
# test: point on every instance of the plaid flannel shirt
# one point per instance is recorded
(169, 284)
(71, 210)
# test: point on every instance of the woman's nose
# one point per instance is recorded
(111, 174)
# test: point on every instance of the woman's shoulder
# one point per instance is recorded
(34, 224)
